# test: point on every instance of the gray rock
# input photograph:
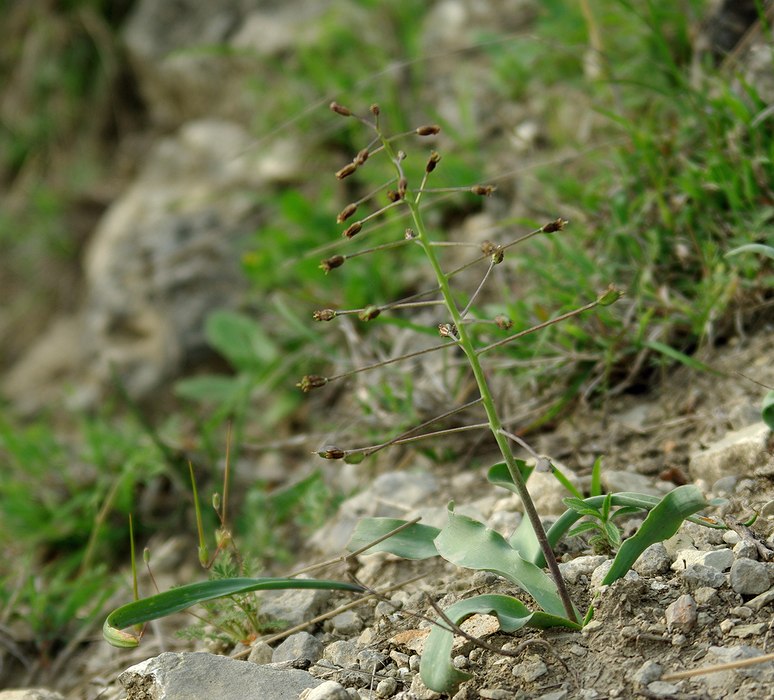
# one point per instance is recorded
(386, 687)
(762, 600)
(260, 653)
(719, 559)
(294, 606)
(647, 673)
(700, 576)
(662, 689)
(602, 570)
(300, 645)
(371, 661)
(745, 550)
(749, 577)
(329, 690)
(342, 653)
(681, 615)
(200, 676)
(653, 561)
(347, 623)
(722, 682)
(580, 566)
(30, 694)
(530, 670)
(738, 453)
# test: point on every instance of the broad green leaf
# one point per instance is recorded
(178, 599)
(585, 526)
(211, 388)
(468, 543)
(413, 542)
(436, 669)
(753, 248)
(663, 521)
(768, 409)
(499, 475)
(240, 339)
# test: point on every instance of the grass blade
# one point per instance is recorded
(178, 599)
(768, 409)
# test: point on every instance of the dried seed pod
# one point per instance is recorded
(369, 313)
(324, 315)
(330, 452)
(448, 330)
(340, 109)
(488, 248)
(482, 190)
(402, 187)
(353, 230)
(498, 255)
(409, 234)
(346, 212)
(428, 130)
(346, 171)
(332, 263)
(393, 196)
(361, 157)
(311, 381)
(503, 322)
(432, 161)
(374, 109)
(555, 225)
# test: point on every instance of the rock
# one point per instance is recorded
(749, 577)
(647, 673)
(719, 559)
(681, 615)
(737, 454)
(200, 676)
(260, 653)
(580, 566)
(347, 624)
(328, 690)
(530, 670)
(30, 694)
(294, 606)
(653, 561)
(300, 645)
(342, 653)
(700, 576)
(371, 661)
(759, 602)
(602, 570)
(662, 689)
(386, 688)
(730, 681)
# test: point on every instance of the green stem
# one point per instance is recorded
(495, 425)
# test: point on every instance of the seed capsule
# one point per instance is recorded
(340, 109)
(482, 190)
(428, 130)
(555, 225)
(311, 381)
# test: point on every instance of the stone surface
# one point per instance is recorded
(700, 576)
(681, 615)
(647, 673)
(653, 561)
(718, 559)
(30, 694)
(200, 676)
(737, 454)
(294, 606)
(328, 690)
(580, 566)
(298, 646)
(749, 577)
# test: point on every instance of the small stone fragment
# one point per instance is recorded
(681, 615)
(662, 689)
(749, 577)
(260, 653)
(647, 673)
(702, 576)
(720, 559)
(347, 623)
(328, 690)
(300, 645)
(386, 688)
(653, 561)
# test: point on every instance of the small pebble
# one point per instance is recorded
(662, 689)
(386, 688)
(328, 690)
(681, 615)
(647, 673)
(749, 577)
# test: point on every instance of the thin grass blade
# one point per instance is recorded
(177, 599)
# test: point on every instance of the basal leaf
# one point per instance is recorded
(468, 543)
(436, 669)
(413, 542)
(662, 522)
